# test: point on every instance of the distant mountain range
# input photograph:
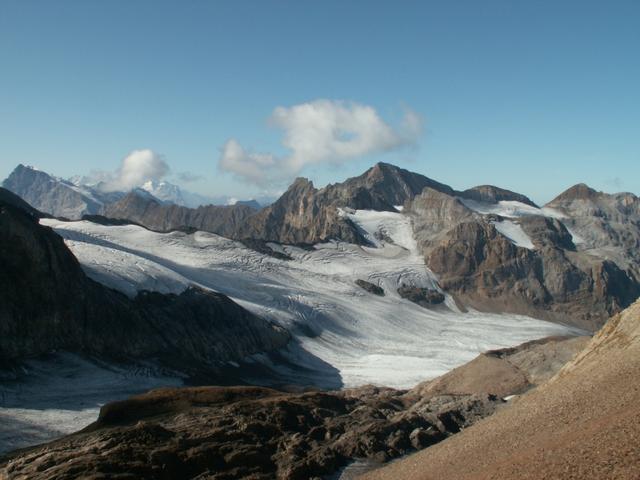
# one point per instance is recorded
(574, 260)
(365, 281)
(72, 198)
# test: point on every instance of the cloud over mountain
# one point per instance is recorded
(321, 131)
(136, 168)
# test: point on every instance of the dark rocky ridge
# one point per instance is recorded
(142, 209)
(257, 433)
(7, 197)
(47, 303)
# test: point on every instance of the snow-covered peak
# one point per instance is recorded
(164, 191)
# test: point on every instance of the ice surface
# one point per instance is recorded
(338, 326)
(514, 232)
(63, 394)
(368, 339)
(510, 209)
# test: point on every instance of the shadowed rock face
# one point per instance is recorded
(259, 433)
(7, 197)
(491, 194)
(47, 303)
(141, 208)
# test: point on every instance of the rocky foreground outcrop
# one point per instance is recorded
(47, 303)
(259, 433)
(584, 423)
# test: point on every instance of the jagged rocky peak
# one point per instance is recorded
(300, 185)
(387, 186)
(493, 194)
(164, 191)
(23, 177)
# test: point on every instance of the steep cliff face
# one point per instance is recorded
(143, 209)
(302, 215)
(47, 303)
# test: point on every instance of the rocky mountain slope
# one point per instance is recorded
(258, 433)
(143, 209)
(47, 303)
(306, 215)
(583, 423)
(53, 195)
(525, 262)
(573, 261)
(608, 225)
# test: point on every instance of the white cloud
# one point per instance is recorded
(322, 131)
(136, 168)
(253, 167)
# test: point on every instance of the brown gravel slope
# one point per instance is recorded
(582, 424)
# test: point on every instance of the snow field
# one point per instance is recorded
(368, 339)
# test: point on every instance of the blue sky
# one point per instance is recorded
(531, 96)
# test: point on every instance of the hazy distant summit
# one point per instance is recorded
(72, 198)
